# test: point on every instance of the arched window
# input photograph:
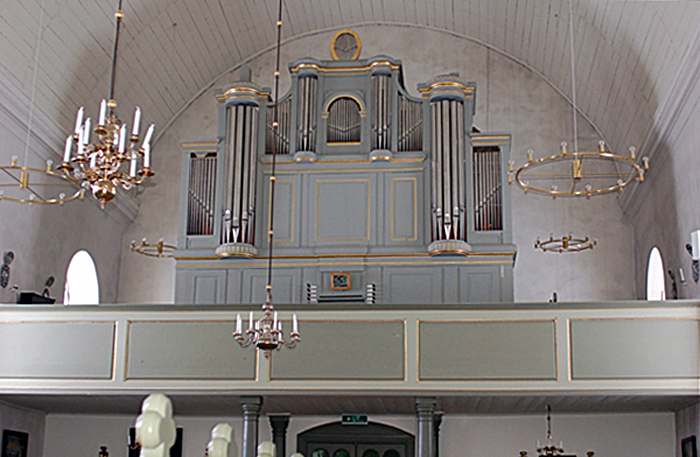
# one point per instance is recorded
(344, 124)
(656, 285)
(82, 287)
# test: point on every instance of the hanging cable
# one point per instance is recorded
(573, 73)
(275, 128)
(39, 36)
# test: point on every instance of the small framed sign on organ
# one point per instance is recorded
(340, 281)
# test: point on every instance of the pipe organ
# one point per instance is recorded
(376, 189)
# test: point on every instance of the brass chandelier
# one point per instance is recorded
(266, 334)
(110, 159)
(566, 243)
(160, 249)
(550, 448)
(578, 173)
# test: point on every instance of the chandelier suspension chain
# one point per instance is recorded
(275, 127)
(112, 79)
(266, 333)
(573, 73)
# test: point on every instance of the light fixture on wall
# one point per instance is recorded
(160, 249)
(112, 159)
(566, 243)
(693, 249)
(578, 173)
(266, 334)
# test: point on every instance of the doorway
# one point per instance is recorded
(371, 440)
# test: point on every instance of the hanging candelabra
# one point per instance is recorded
(566, 243)
(113, 158)
(550, 448)
(160, 249)
(266, 334)
(578, 173)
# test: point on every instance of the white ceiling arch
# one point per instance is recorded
(627, 53)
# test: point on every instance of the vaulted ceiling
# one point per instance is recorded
(627, 52)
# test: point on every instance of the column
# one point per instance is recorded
(425, 437)
(279, 423)
(251, 413)
(437, 421)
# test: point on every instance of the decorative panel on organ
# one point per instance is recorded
(374, 184)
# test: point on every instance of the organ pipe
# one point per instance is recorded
(200, 194)
(381, 112)
(241, 149)
(488, 189)
(344, 122)
(306, 113)
(448, 172)
(410, 125)
(277, 142)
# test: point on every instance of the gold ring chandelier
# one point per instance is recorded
(566, 243)
(31, 181)
(160, 250)
(576, 174)
(36, 183)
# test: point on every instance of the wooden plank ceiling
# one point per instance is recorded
(628, 52)
(330, 405)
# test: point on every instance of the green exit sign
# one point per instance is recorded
(354, 419)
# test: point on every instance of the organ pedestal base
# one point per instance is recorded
(236, 250)
(453, 247)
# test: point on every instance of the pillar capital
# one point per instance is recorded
(251, 404)
(426, 405)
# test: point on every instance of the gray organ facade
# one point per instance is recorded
(380, 196)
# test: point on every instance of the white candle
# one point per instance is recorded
(79, 119)
(274, 320)
(86, 132)
(81, 145)
(66, 152)
(239, 324)
(93, 160)
(137, 121)
(279, 326)
(103, 112)
(250, 324)
(295, 324)
(132, 169)
(122, 138)
(147, 156)
(149, 134)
